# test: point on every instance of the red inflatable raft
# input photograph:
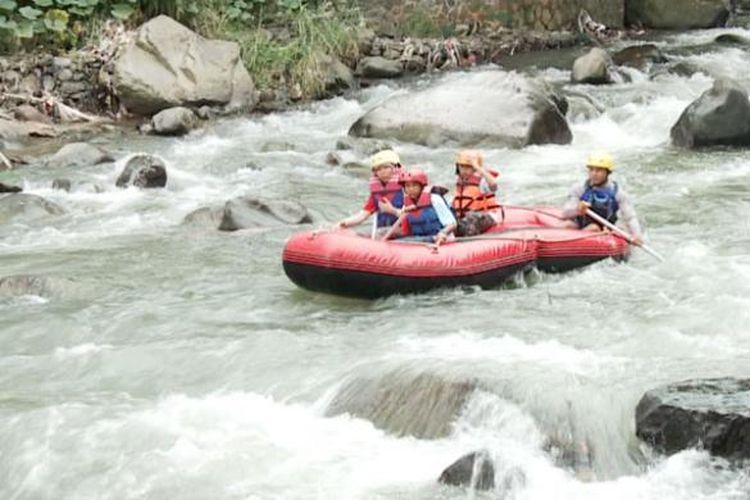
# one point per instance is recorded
(347, 263)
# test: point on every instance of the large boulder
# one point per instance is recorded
(205, 217)
(28, 113)
(473, 470)
(404, 403)
(168, 65)
(491, 108)
(26, 207)
(78, 154)
(248, 212)
(15, 130)
(593, 67)
(174, 121)
(721, 116)
(713, 414)
(143, 171)
(676, 14)
(379, 67)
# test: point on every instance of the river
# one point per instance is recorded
(177, 362)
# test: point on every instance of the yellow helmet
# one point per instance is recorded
(469, 157)
(604, 161)
(385, 157)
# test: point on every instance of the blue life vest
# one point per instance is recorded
(603, 201)
(393, 192)
(424, 220)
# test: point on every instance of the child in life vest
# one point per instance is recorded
(604, 197)
(474, 196)
(384, 187)
(425, 216)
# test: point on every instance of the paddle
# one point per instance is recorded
(629, 238)
(374, 230)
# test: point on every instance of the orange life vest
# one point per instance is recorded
(469, 198)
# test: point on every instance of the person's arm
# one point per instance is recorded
(489, 180)
(571, 206)
(629, 216)
(447, 219)
(354, 220)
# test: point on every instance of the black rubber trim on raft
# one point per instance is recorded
(372, 286)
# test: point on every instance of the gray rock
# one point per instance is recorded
(42, 286)
(65, 75)
(337, 77)
(28, 113)
(6, 188)
(639, 56)
(713, 414)
(30, 85)
(26, 207)
(14, 130)
(473, 470)
(205, 112)
(206, 217)
(59, 63)
(491, 108)
(143, 171)
(62, 184)
(333, 159)
(174, 121)
(70, 87)
(78, 154)
(676, 14)
(168, 65)
(404, 403)
(276, 146)
(592, 68)
(379, 67)
(248, 212)
(731, 39)
(720, 116)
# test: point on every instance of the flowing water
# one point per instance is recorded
(177, 362)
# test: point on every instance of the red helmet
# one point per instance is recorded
(415, 175)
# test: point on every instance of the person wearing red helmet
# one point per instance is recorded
(425, 215)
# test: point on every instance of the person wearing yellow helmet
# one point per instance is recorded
(385, 190)
(603, 196)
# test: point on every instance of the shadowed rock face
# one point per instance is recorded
(713, 414)
(491, 108)
(719, 117)
(475, 469)
(143, 171)
(405, 404)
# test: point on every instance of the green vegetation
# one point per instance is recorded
(283, 41)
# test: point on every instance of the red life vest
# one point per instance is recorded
(392, 191)
(469, 198)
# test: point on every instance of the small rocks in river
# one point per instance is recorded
(719, 117)
(713, 414)
(174, 121)
(78, 154)
(333, 159)
(731, 39)
(276, 146)
(26, 207)
(5, 188)
(593, 68)
(143, 171)
(62, 184)
(246, 212)
(208, 217)
(404, 403)
(473, 470)
(639, 56)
